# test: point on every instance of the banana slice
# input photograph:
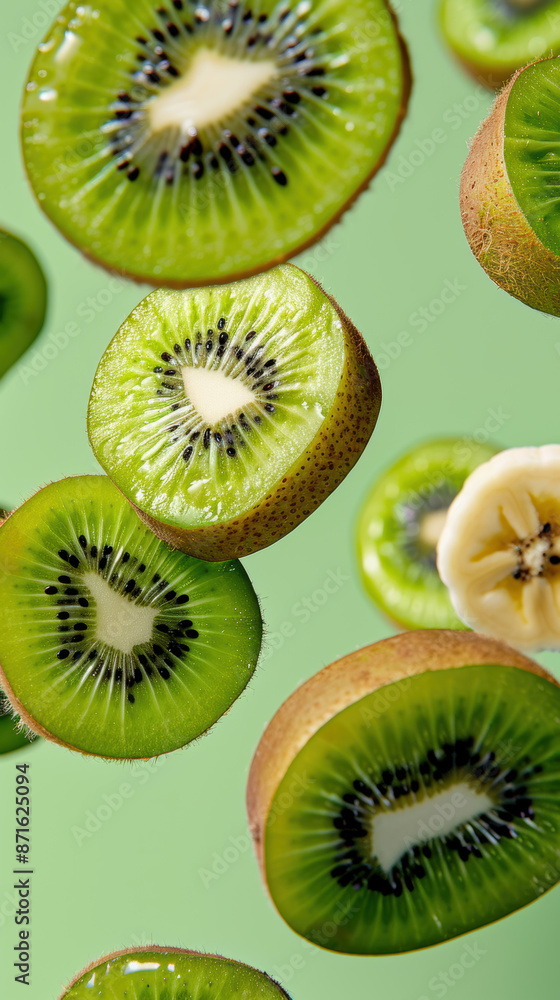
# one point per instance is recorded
(499, 551)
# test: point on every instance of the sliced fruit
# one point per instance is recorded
(499, 552)
(110, 642)
(510, 189)
(410, 792)
(399, 527)
(155, 973)
(493, 38)
(185, 143)
(23, 299)
(12, 735)
(227, 415)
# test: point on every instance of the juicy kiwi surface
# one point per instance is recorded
(399, 527)
(110, 642)
(155, 973)
(185, 142)
(226, 415)
(397, 803)
(493, 38)
(23, 299)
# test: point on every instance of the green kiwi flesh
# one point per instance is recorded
(111, 643)
(424, 810)
(13, 736)
(184, 143)
(23, 299)
(155, 973)
(493, 38)
(226, 415)
(399, 526)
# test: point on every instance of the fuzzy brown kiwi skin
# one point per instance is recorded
(158, 949)
(347, 681)
(304, 486)
(149, 279)
(498, 233)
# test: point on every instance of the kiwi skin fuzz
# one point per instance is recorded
(158, 950)
(499, 235)
(348, 680)
(328, 459)
(148, 279)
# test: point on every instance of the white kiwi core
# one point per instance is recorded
(395, 832)
(213, 87)
(431, 528)
(120, 623)
(215, 395)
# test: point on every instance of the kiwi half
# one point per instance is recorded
(510, 188)
(156, 973)
(227, 415)
(110, 642)
(23, 299)
(493, 38)
(399, 528)
(184, 143)
(409, 793)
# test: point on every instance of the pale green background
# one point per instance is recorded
(138, 878)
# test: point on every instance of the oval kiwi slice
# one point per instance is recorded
(23, 299)
(410, 792)
(400, 525)
(184, 143)
(227, 415)
(110, 642)
(155, 973)
(493, 38)
(509, 188)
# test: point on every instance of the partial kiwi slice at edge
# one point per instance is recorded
(171, 974)
(185, 143)
(410, 792)
(509, 189)
(399, 528)
(494, 38)
(23, 299)
(112, 643)
(228, 414)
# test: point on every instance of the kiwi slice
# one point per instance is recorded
(227, 415)
(183, 142)
(13, 735)
(510, 190)
(23, 299)
(155, 973)
(409, 793)
(110, 642)
(493, 38)
(399, 528)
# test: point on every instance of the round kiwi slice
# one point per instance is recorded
(409, 793)
(493, 38)
(228, 414)
(156, 973)
(399, 528)
(23, 299)
(186, 142)
(111, 643)
(509, 189)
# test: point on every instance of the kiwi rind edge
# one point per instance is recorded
(498, 233)
(149, 279)
(249, 532)
(348, 680)
(159, 949)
